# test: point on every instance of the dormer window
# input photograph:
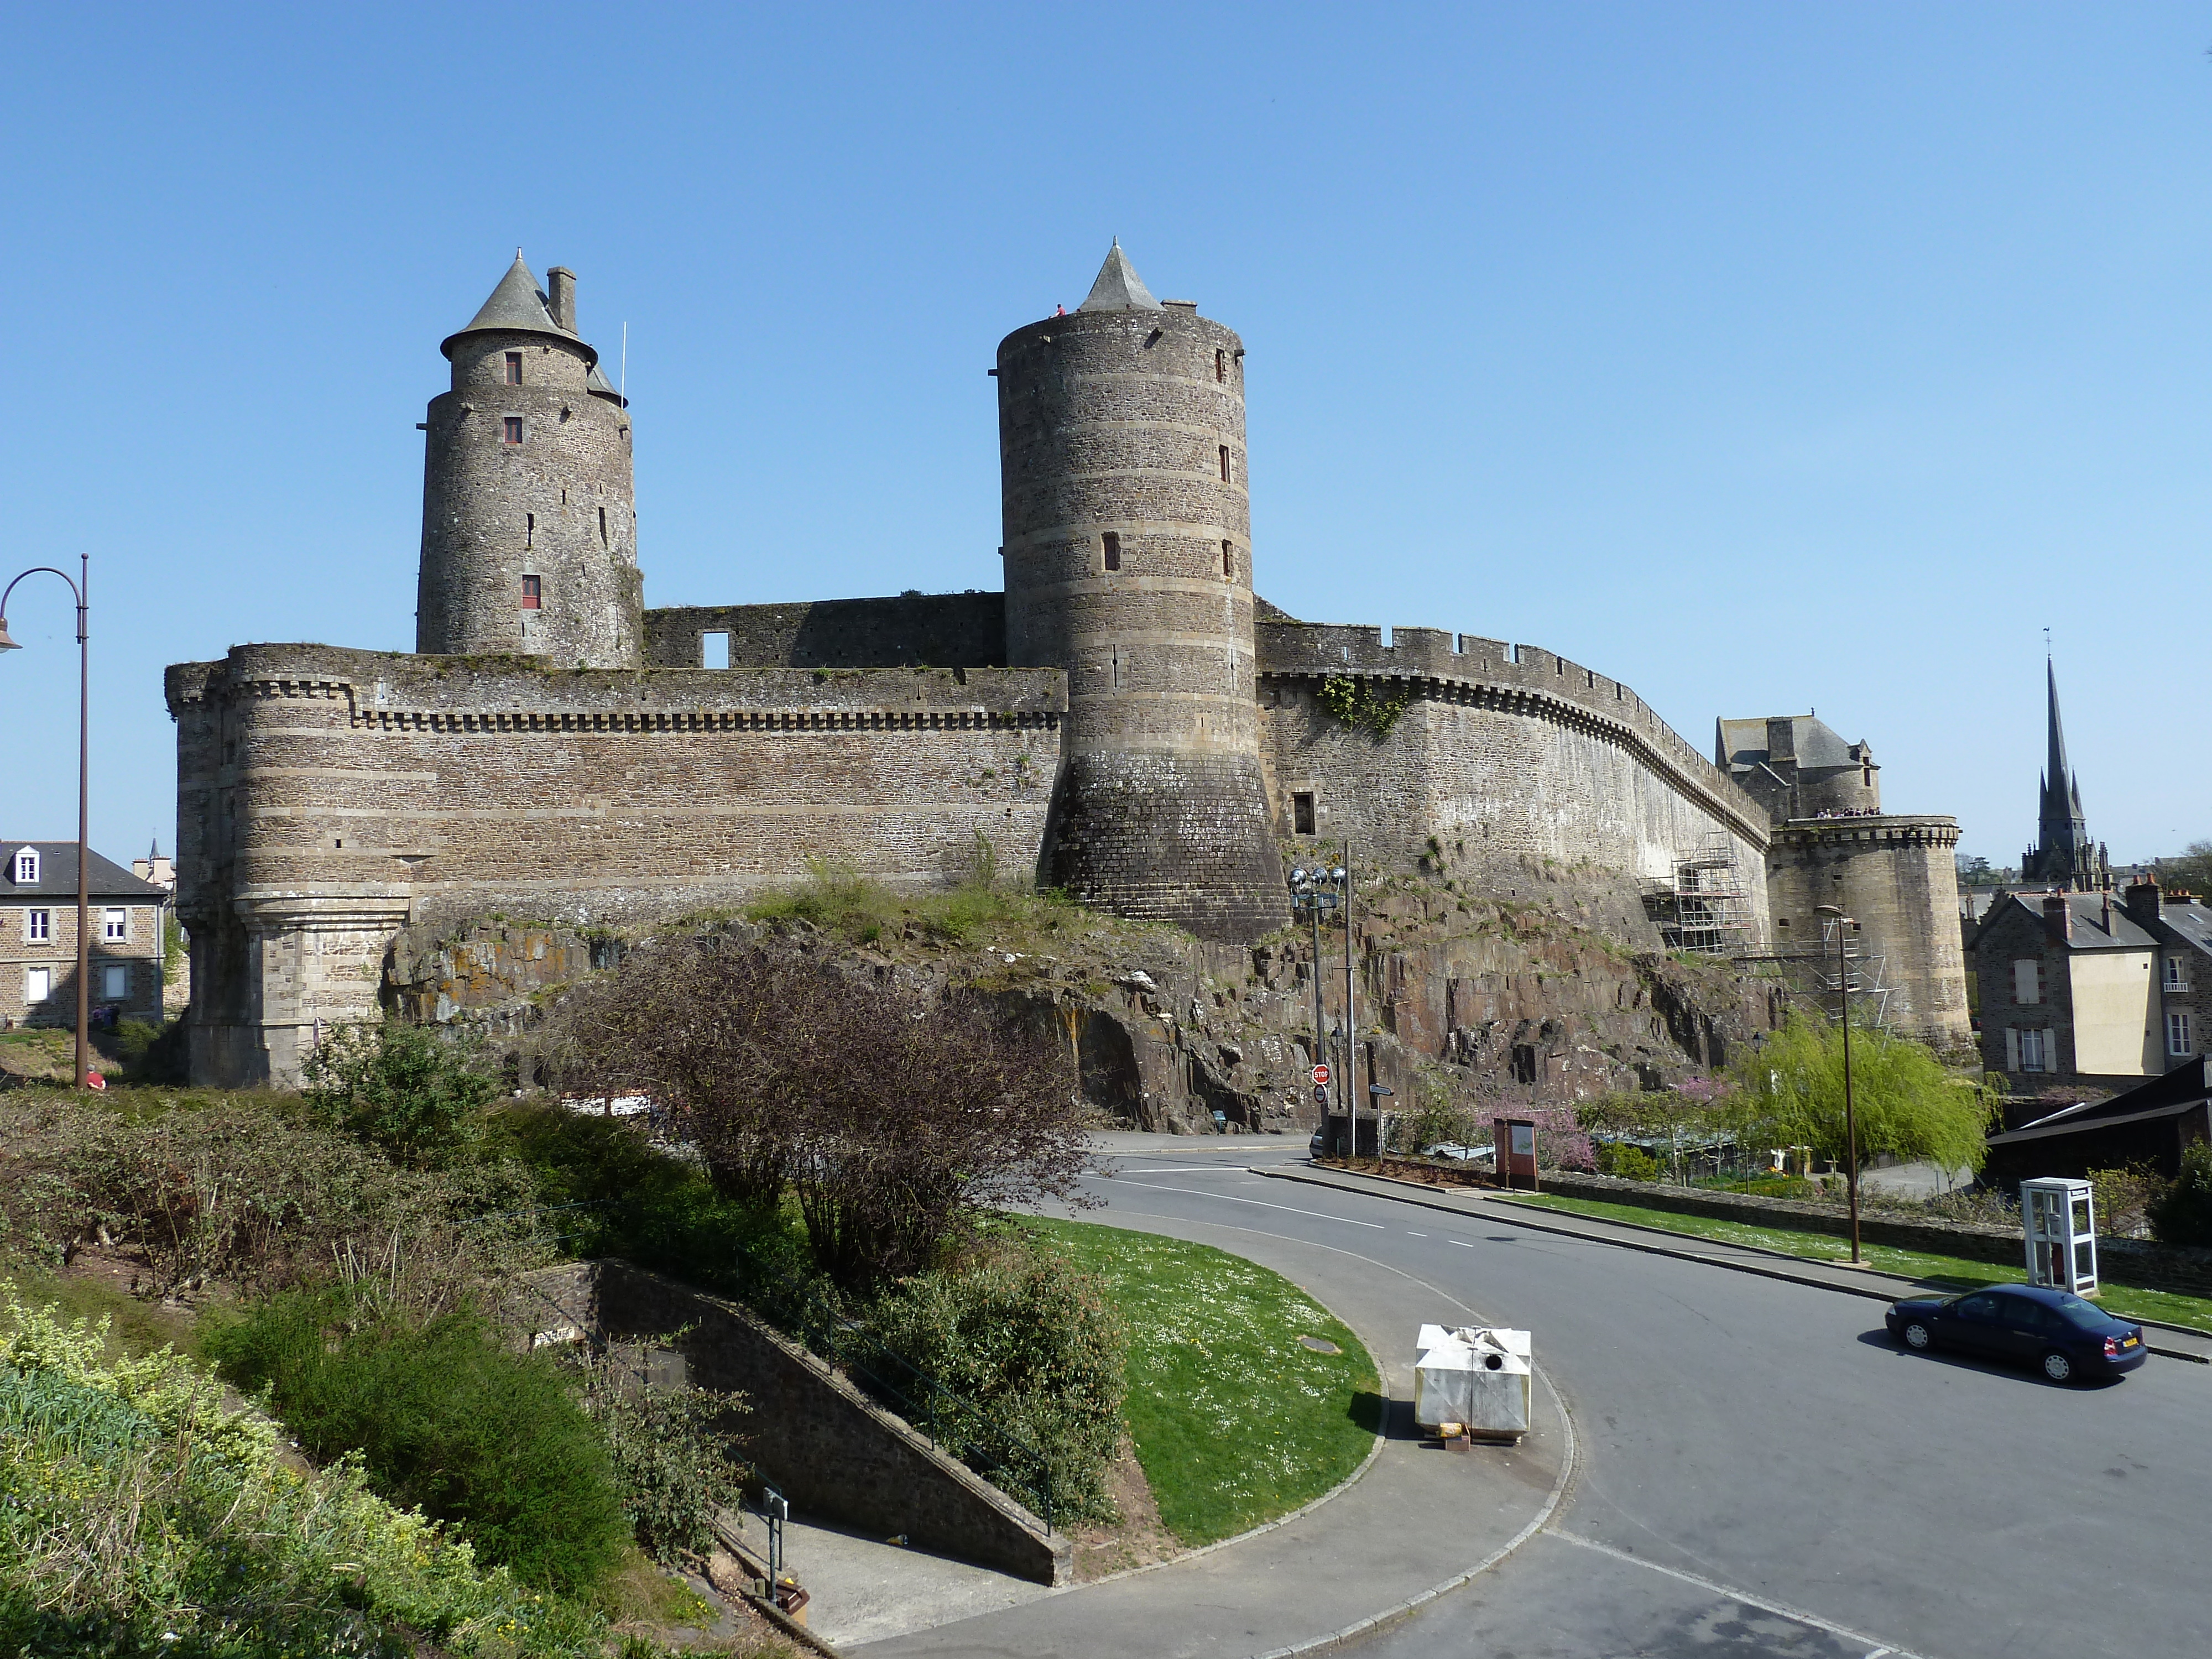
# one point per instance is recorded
(511, 430)
(26, 867)
(514, 369)
(531, 593)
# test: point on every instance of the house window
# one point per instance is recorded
(1301, 813)
(1228, 559)
(514, 369)
(26, 867)
(39, 927)
(2031, 1048)
(115, 926)
(531, 593)
(1220, 364)
(2026, 983)
(38, 985)
(2179, 1035)
(1112, 543)
(1224, 463)
(511, 430)
(115, 982)
(2177, 973)
(714, 651)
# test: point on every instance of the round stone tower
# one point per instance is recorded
(529, 522)
(1129, 564)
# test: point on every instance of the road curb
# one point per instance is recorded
(1498, 1209)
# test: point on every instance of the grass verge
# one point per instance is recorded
(1945, 1273)
(1235, 1421)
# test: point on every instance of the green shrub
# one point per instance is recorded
(676, 1452)
(401, 1087)
(141, 1516)
(1030, 1341)
(153, 1054)
(445, 1418)
(1628, 1160)
(2182, 1214)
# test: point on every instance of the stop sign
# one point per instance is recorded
(1321, 1076)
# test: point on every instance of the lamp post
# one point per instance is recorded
(81, 588)
(1316, 891)
(1835, 913)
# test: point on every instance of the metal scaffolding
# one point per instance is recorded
(1813, 972)
(1703, 905)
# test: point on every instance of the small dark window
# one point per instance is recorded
(1112, 550)
(1302, 813)
(530, 592)
(514, 369)
(1220, 365)
(511, 432)
(529, 530)
(602, 526)
(1228, 558)
(1224, 462)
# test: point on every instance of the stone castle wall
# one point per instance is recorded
(912, 631)
(328, 798)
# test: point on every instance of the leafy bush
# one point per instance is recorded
(2182, 1214)
(2124, 1198)
(238, 1191)
(141, 1516)
(1628, 1160)
(153, 1054)
(1030, 1342)
(676, 1452)
(398, 1086)
(1906, 1104)
(445, 1418)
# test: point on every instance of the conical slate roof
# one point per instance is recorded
(1118, 287)
(516, 306)
(599, 386)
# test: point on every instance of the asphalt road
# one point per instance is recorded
(1761, 1471)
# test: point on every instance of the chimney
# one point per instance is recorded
(562, 282)
(1781, 741)
(2058, 919)
(2142, 901)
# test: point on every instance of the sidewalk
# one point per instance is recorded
(1489, 1206)
(1419, 1521)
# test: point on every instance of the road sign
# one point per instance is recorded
(1321, 1076)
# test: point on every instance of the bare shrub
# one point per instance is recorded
(893, 1119)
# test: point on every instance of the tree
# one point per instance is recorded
(894, 1116)
(398, 1087)
(1790, 1093)
(2192, 872)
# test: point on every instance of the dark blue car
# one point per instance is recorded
(2028, 1324)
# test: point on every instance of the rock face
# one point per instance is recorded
(1463, 1001)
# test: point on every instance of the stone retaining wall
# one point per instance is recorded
(829, 1448)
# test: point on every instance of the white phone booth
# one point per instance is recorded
(2061, 1219)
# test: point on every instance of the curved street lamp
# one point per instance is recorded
(81, 586)
(1844, 923)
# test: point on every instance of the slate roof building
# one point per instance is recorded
(37, 935)
(2152, 1123)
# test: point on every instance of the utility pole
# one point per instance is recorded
(1835, 913)
(1350, 1020)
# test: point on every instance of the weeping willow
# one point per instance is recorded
(1790, 1093)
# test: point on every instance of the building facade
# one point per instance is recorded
(38, 936)
(1128, 719)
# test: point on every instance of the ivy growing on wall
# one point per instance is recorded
(1358, 703)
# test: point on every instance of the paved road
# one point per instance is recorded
(1761, 1471)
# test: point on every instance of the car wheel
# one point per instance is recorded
(1916, 1336)
(2058, 1367)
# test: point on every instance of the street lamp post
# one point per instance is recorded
(1311, 890)
(1835, 913)
(81, 588)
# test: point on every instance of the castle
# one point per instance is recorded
(1126, 719)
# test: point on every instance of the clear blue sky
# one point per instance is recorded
(1766, 357)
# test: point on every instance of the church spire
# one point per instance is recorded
(2064, 856)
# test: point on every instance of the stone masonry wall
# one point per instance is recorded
(328, 798)
(913, 631)
(827, 1446)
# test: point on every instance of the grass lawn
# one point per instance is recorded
(1948, 1273)
(1235, 1421)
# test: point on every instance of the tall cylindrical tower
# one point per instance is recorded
(529, 520)
(1128, 562)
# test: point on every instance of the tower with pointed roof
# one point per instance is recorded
(1128, 545)
(2064, 856)
(529, 514)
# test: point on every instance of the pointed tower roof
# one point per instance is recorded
(1118, 287)
(599, 386)
(517, 305)
(2054, 766)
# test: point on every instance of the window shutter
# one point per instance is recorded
(2012, 1050)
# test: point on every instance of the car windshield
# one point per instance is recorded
(2078, 1312)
